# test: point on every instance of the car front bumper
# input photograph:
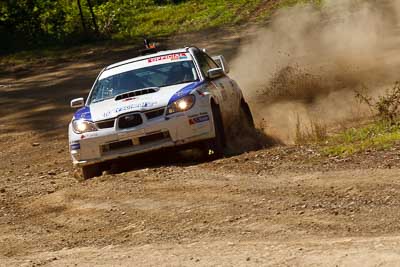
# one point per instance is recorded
(163, 132)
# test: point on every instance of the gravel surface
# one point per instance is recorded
(282, 205)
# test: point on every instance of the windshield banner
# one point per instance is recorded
(172, 57)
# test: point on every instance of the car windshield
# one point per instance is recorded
(153, 76)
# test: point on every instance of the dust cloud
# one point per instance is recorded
(306, 64)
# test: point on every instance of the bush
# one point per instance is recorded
(387, 106)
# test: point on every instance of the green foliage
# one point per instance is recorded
(31, 23)
(127, 19)
(378, 135)
(27, 24)
(387, 107)
(381, 134)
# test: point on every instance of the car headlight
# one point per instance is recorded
(82, 126)
(182, 104)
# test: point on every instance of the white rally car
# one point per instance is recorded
(167, 99)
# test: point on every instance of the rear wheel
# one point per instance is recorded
(91, 171)
(217, 145)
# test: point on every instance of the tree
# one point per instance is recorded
(93, 16)
(82, 17)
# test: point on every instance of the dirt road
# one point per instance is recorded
(278, 206)
(283, 205)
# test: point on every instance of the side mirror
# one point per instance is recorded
(77, 102)
(221, 61)
(215, 73)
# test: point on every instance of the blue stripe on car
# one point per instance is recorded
(185, 91)
(75, 146)
(84, 114)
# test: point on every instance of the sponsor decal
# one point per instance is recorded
(130, 107)
(200, 119)
(203, 91)
(193, 116)
(75, 146)
(171, 57)
(83, 113)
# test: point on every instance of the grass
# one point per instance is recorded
(379, 135)
(132, 20)
(316, 132)
(282, 4)
(128, 21)
(194, 15)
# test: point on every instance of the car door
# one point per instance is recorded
(234, 89)
(221, 87)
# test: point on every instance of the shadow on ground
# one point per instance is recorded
(192, 156)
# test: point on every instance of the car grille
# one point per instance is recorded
(119, 145)
(153, 137)
(154, 113)
(130, 120)
(105, 124)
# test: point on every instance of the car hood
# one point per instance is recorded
(110, 108)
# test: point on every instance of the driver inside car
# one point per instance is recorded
(180, 74)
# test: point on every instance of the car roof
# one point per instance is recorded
(161, 53)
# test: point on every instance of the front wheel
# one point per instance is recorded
(216, 146)
(242, 134)
(246, 117)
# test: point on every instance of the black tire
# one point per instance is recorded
(91, 171)
(246, 113)
(217, 144)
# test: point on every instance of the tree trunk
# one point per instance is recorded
(81, 14)
(93, 16)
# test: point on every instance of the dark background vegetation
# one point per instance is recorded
(31, 24)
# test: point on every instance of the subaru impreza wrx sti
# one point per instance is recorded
(177, 98)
